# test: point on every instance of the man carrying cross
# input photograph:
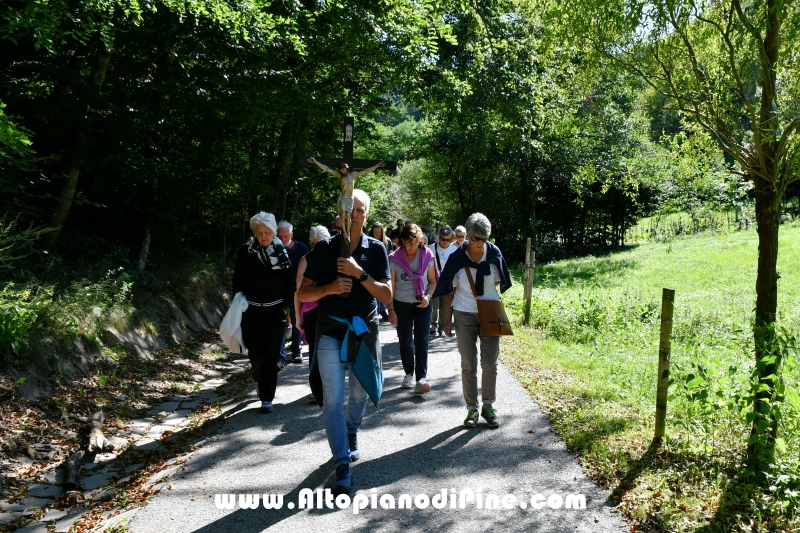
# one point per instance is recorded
(346, 180)
(348, 349)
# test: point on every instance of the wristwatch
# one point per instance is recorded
(363, 277)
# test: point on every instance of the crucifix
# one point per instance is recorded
(347, 178)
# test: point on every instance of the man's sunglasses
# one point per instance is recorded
(477, 239)
(442, 239)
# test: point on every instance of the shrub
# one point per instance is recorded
(17, 317)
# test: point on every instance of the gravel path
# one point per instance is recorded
(413, 445)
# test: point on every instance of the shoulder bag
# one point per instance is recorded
(491, 314)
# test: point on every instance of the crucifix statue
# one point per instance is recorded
(347, 178)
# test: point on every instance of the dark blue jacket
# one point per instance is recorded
(459, 259)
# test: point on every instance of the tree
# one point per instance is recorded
(177, 119)
(76, 41)
(731, 68)
(514, 127)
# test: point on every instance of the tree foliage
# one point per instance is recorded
(731, 68)
(545, 147)
(177, 120)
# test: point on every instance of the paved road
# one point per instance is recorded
(413, 445)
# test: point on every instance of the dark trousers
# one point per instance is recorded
(296, 338)
(262, 333)
(413, 332)
(310, 329)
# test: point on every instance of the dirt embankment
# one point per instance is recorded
(156, 322)
(157, 378)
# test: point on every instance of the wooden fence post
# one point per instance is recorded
(528, 291)
(664, 349)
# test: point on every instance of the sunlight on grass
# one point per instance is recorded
(590, 359)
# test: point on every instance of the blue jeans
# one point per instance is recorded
(337, 420)
(413, 333)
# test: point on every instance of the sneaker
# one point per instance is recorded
(422, 387)
(441, 332)
(344, 479)
(267, 407)
(472, 418)
(297, 357)
(281, 363)
(490, 415)
(433, 332)
(408, 381)
(355, 453)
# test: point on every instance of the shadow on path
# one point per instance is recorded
(394, 466)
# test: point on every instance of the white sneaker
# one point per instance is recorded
(422, 387)
(408, 381)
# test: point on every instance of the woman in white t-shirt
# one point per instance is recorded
(489, 271)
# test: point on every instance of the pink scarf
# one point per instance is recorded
(400, 257)
(306, 307)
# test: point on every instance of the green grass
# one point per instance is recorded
(703, 219)
(590, 358)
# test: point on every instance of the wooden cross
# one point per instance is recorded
(329, 163)
(334, 162)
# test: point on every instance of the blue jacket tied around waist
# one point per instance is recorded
(459, 259)
(361, 349)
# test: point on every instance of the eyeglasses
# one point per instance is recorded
(442, 239)
(473, 238)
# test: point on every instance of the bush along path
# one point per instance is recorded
(155, 411)
(414, 449)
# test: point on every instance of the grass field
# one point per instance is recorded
(590, 358)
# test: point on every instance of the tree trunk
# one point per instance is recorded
(293, 207)
(761, 445)
(100, 66)
(293, 136)
(144, 250)
(159, 103)
(62, 209)
(98, 74)
(764, 430)
(534, 230)
(581, 236)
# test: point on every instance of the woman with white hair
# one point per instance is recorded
(263, 274)
(306, 312)
(480, 263)
(460, 234)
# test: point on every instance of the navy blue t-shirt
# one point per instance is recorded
(370, 254)
(296, 253)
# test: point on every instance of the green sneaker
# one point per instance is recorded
(490, 415)
(472, 419)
